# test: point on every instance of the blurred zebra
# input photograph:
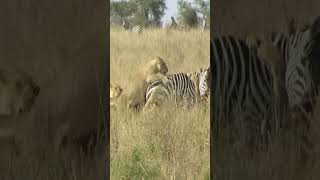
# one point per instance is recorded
(179, 87)
(300, 51)
(135, 29)
(202, 83)
(173, 23)
(243, 88)
(204, 24)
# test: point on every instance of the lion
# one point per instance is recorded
(78, 116)
(270, 54)
(158, 95)
(115, 92)
(138, 84)
(18, 92)
(195, 80)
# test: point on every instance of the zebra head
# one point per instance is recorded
(173, 22)
(300, 51)
(203, 77)
(125, 24)
(204, 24)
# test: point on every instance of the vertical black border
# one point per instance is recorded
(107, 100)
(212, 144)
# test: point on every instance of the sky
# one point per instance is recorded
(171, 10)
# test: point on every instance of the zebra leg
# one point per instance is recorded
(196, 82)
(60, 135)
(301, 122)
(154, 100)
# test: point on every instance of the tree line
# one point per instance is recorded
(149, 13)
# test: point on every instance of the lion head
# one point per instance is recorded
(155, 66)
(115, 91)
(18, 92)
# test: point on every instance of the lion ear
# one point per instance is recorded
(158, 60)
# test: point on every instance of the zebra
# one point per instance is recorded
(135, 29)
(178, 87)
(300, 51)
(173, 23)
(242, 83)
(203, 82)
(204, 24)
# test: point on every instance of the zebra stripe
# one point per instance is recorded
(240, 74)
(241, 82)
(135, 29)
(295, 51)
(300, 50)
(179, 87)
(203, 76)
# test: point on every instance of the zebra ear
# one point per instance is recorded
(315, 27)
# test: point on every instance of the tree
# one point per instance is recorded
(120, 10)
(143, 12)
(149, 12)
(203, 7)
(187, 14)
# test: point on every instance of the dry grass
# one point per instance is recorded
(282, 159)
(171, 142)
(66, 53)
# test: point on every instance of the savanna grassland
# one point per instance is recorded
(282, 159)
(66, 55)
(171, 142)
(293, 154)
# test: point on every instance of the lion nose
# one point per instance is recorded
(36, 90)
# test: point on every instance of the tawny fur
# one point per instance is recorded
(157, 98)
(195, 81)
(77, 115)
(268, 52)
(18, 92)
(115, 92)
(134, 94)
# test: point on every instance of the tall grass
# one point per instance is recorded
(171, 142)
(282, 159)
(65, 52)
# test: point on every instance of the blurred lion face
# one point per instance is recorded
(18, 92)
